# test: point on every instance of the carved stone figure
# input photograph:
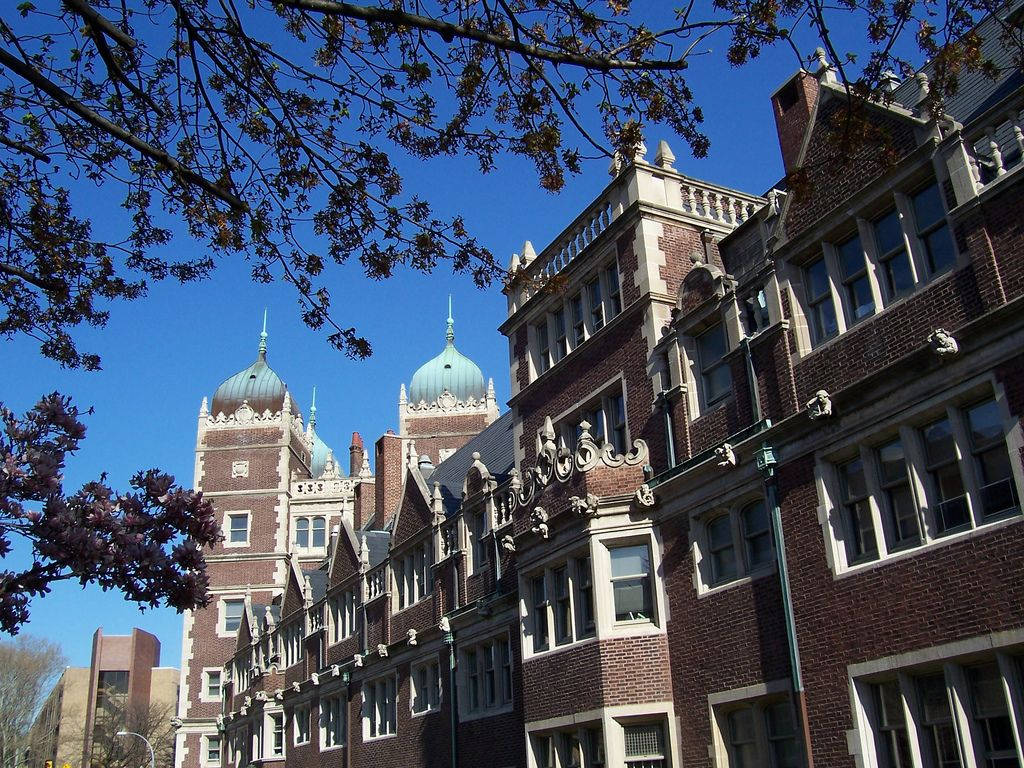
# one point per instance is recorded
(584, 507)
(357, 659)
(382, 650)
(819, 406)
(444, 625)
(942, 342)
(725, 456)
(644, 497)
(539, 522)
(411, 637)
(508, 543)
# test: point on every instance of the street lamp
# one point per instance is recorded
(152, 757)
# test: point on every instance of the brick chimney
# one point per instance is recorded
(388, 470)
(792, 105)
(355, 455)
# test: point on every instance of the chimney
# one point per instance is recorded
(388, 472)
(355, 455)
(792, 105)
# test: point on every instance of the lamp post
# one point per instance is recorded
(152, 756)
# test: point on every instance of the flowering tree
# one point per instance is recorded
(147, 542)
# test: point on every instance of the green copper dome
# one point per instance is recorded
(451, 370)
(258, 385)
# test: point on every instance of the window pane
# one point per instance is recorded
(985, 422)
(888, 233)
(939, 246)
(630, 561)
(898, 274)
(717, 382)
(711, 345)
(302, 532)
(928, 208)
(757, 533)
(817, 275)
(319, 532)
(632, 599)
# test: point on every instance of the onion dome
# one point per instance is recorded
(450, 371)
(257, 385)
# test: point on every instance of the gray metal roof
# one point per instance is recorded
(976, 92)
(317, 583)
(497, 452)
(377, 542)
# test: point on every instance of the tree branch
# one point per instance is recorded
(449, 31)
(25, 149)
(28, 277)
(156, 154)
(90, 15)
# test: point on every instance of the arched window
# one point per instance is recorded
(302, 532)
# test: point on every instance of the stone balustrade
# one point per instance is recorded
(997, 146)
(376, 581)
(449, 538)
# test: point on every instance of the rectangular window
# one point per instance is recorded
(900, 505)
(617, 422)
(893, 258)
(343, 615)
(578, 325)
(856, 284)
(332, 721)
(561, 339)
(736, 543)
(562, 605)
(821, 311)
(478, 547)
(300, 719)
(761, 733)
(426, 682)
(721, 549)
(585, 585)
(540, 613)
(991, 716)
(238, 528)
(757, 535)
(233, 614)
(716, 379)
(319, 532)
(991, 460)
(939, 735)
(487, 673)
(213, 685)
(611, 275)
(213, 750)
(543, 347)
(380, 706)
(302, 533)
(631, 582)
(596, 305)
(861, 544)
(755, 313)
(951, 511)
(893, 742)
(576, 747)
(932, 230)
(276, 734)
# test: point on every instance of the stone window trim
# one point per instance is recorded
(481, 645)
(204, 759)
(222, 604)
(587, 737)
(577, 583)
(207, 672)
(342, 614)
(433, 705)
(955, 664)
(477, 530)
(292, 642)
(726, 313)
(310, 527)
(566, 423)
(390, 701)
(876, 257)
(229, 531)
(268, 734)
(604, 600)
(301, 714)
(563, 337)
(340, 694)
(755, 696)
(708, 582)
(952, 405)
(419, 558)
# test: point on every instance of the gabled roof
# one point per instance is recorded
(377, 544)
(497, 452)
(317, 583)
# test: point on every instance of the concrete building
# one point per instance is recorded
(755, 501)
(124, 687)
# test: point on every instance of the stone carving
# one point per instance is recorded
(335, 670)
(584, 507)
(357, 660)
(296, 687)
(444, 625)
(942, 342)
(382, 650)
(261, 696)
(644, 497)
(239, 469)
(177, 722)
(539, 522)
(508, 544)
(410, 637)
(315, 679)
(449, 403)
(279, 694)
(247, 701)
(725, 456)
(819, 406)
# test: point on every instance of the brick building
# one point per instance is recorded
(755, 500)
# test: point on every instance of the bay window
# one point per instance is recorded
(631, 582)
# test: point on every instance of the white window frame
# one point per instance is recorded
(435, 691)
(504, 686)
(301, 713)
(205, 757)
(576, 581)
(953, 405)
(604, 603)
(370, 703)
(268, 732)
(228, 516)
(326, 719)
(310, 521)
(222, 606)
(413, 580)
(341, 610)
(700, 525)
(204, 694)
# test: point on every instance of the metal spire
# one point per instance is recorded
(263, 336)
(312, 410)
(450, 333)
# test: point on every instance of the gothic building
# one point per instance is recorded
(754, 501)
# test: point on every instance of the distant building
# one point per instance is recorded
(124, 688)
(755, 502)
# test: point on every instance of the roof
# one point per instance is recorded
(320, 453)
(258, 385)
(317, 583)
(976, 92)
(377, 543)
(497, 452)
(451, 371)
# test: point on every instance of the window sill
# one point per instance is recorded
(465, 717)
(411, 605)
(546, 652)
(335, 642)
(301, 744)
(710, 590)
(432, 711)
(335, 748)
(382, 737)
(950, 538)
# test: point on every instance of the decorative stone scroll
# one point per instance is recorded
(942, 343)
(239, 469)
(819, 406)
(296, 687)
(725, 456)
(357, 660)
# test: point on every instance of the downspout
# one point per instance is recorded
(670, 440)
(755, 395)
(766, 462)
(449, 640)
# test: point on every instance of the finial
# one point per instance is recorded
(450, 333)
(664, 157)
(312, 411)
(263, 336)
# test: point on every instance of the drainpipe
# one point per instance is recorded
(755, 395)
(670, 439)
(766, 462)
(449, 640)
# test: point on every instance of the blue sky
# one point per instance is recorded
(163, 354)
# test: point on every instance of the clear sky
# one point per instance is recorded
(163, 354)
